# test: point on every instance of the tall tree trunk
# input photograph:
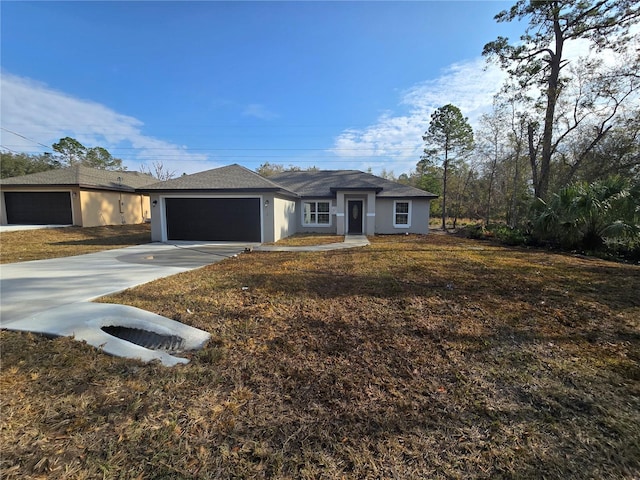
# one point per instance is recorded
(553, 90)
(491, 177)
(533, 159)
(444, 190)
(513, 221)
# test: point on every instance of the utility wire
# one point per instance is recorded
(26, 138)
(7, 148)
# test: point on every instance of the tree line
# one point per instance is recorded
(70, 152)
(558, 157)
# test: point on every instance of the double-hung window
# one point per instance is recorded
(401, 214)
(316, 213)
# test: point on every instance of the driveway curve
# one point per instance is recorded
(29, 288)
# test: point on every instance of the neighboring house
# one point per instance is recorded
(235, 204)
(77, 195)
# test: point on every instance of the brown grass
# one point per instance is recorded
(306, 239)
(415, 357)
(24, 245)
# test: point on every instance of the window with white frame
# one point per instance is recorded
(316, 213)
(402, 214)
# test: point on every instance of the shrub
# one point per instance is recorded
(590, 216)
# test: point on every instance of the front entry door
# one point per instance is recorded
(355, 217)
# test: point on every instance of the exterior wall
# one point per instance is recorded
(156, 218)
(323, 229)
(76, 210)
(284, 212)
(369, 205)
(112, 208)
(419, 217)
(92, 208)
(282, 217)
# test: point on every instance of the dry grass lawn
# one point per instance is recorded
(24, 245)
(414, 357)
(305, 239)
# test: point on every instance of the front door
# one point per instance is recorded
(355, 217)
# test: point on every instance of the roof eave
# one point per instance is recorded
(68, 185)
(353, 189)
(217, 190)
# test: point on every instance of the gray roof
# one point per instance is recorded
(318, 183)
(81, 176)
(324, 183)
(230, 178)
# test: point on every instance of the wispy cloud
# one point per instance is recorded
(44, 115)
(394, 142)
(257, 110)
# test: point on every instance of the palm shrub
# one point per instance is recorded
(589, 215)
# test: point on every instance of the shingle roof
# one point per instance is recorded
(323, 183)
(319, 183)
(82, 176)
(231, 177)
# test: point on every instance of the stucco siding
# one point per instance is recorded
(112, 208)
(284, 218)
(419, 216)
(157, 218)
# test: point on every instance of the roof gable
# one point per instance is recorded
(79, 175)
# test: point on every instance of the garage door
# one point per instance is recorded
(38, 208)
(213, 219)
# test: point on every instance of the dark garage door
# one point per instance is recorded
(38, 208)
(214, 219)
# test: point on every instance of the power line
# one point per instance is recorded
(7, 148)
(26, 138)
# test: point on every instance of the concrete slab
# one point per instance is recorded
(29, 288)
(350, 241)
(15, 228)
(84, 321)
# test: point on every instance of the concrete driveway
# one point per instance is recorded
(30, 288)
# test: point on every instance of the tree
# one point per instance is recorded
(268, 169)
(98, 157)
(17, 164)
(491, 147)
(158, 170)
(449, 139)
(539, 58)
(72, 152)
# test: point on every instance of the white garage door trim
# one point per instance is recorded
(163, 211)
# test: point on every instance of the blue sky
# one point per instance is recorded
(198, 85)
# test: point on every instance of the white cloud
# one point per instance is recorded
(44, 115)
(395, 143)
(259, 111)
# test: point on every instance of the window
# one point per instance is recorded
(401, 214)
(316, 213)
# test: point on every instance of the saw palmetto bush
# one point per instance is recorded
(591, 216)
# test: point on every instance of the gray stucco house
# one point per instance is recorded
(233, 203)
